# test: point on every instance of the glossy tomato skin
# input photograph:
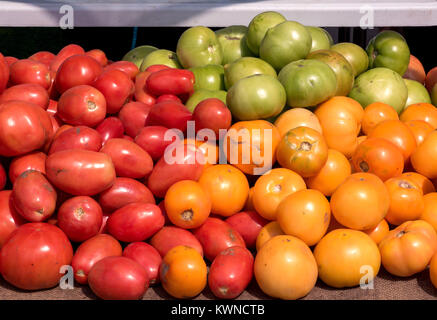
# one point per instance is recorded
(118, 278)
(29, 92)
(4, 73)
(141, 93)
(135, 222)
(40, 249)
(30, 71)
(91, 251)
(129, 159)
(423, 158)
(10, 220)
(31, 161)
(170, 81)
(248, 224)
(126, 66)
(170, 236)
(231, 272)
(80, 172)
(133, 115)
(212, 114)
(146, 256)
(82, 105)
(152, 140)
(80, 218)
(168, 97)
(216, 235)
(111, 127)
(65, 53)
(98, 55)
(80, 137)
(45, 57)
(169, 114)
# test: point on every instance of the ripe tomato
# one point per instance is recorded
(169, 237)
(303, 150)
(429, 213)
(420, 129)
(168, 97)
(227, 187)
(285, 268)
(272, 187)
(360, 202)
(424, 157)
(127, 67)
(80, 137)
(109, 128)
(335, 170)
(248, 206)
(147, 256)
(169, 114)
(4, 73)
(375, 113)
(209, 149)
(3, 177)
(187, 204)
(431, 79)
(347, 257)
(29, 92)
(305, 214)
(63, 54)
(141, 94)
(421, 111)
(99, 55)
(212, 114)
(183, 272)
(408, 249)
(248, 224)
(133, 115)
(31, 161)
(270, 230)
(297, 117)
(29, 71)
(423, 182)
(45, 57)
(10, 220)
(170, 81)
(379, 232)
(415, 70)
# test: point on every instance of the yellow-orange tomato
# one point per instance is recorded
(433, 270)
(409, 248)
(420, 129)
(272, 187)
(429, 213)
(360, 202)
(297, 117)
(285, 268)
(379, 232)
(375, 113)
(187, 204)
(270, 230)
(248, 206)
(336, 169)
(227, 187)
(424, 158)
(347, 258)
(305, 214)
(421, 111)
(251, 146)
(397, 133)
(361, 139)
(183, 272)
(209, 149)
(423, 182)
(302, 150)
(340, 118)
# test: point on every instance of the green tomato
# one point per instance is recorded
(417, 93)
(259, 26)
(161, 56)
(354, 54)
(245, 67)
(307, 82)
(138, 54)
(286, 42)
(202, 94)
(256, 97)
(199, 46)
(233, 42)
(380, 85)
(389, 49)
(342, 68)
(210, 77)
(320, 39)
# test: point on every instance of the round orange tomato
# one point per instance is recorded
(423, 182)
(424, 158)
(375, 113)
(379, 232)
(409, 248)
(397, 133)
(336, 169)
(378, 156)
(429, 213)
(187, 204)
(209, 150)
(183, 272)
(272, 187)
(347, 258)
(433, 270)
(248, 206)
(227, 187)
(421, 111)
(360, 202)
(270, 230)
(297, 117)
(420, 129)
(305, 214)
(302, 150)
(285, 268)
(251, 146)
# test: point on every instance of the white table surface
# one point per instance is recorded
(216, 13)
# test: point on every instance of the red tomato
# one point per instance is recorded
(32, 256)
(135, 222)
(10, 220)
(152, 139)
(212, 114)
(4, 73)
(157, 67)
(168, 97)
(216, 235)
(45, 57)
(80, 137)
(10, 60)
(52, 107)
(230, 272)
(109, 128)
(92, 251)
(147, 256)
(82, 105)
(80, 172)
(31, 161)
(133, 115)
(248, 224)
(99, 55)
(29, 92)
(80, 218)
(169, 237)
(169, 114)
(30, 71)
(141, 94)
(63, 54)
(127, 67)
(170, 81)
(3, 177)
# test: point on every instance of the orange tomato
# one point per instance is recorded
(424, 158)
(423, 182)
(227, 187)
(297, 117)
(251, 146)
(378, 156)
(420, 129)
(409, 248)
(420, 111)
(285, 268)
(305, 214)
(248, 206)
(340, 118)
(360, 202)
(183, 272)
(415, 70)
(433, 271)
(336, 169)
(397, 133)
(209, 150)
(429, 213)
(187, 204)
(302, 150)
(272, 187)
(379, 232)
(334, 224)
(375, 113)
(270, 230)
(347, 258)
